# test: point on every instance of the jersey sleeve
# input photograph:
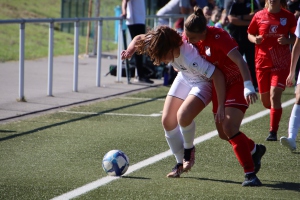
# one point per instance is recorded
(253, 27)
(225, 43)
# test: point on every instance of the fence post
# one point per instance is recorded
(76, 50)
(21, 62)
(50, 59)
(120, 44)
(99, 54)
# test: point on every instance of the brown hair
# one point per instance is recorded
(196, 22)
(158, 42)
(283, 4)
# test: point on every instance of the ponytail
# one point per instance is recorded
(196, 22)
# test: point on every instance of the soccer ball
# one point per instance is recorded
(115, 163)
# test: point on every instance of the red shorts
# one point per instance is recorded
(234, 97)
(268, 77)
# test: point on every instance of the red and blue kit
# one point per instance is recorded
(271, 58)
(215, 48)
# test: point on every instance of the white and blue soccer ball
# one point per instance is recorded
(115, 163)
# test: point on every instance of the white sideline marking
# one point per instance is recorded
(121, 114)
(136, 98)
(102, 181)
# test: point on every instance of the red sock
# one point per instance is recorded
(275, 116)
(242, 151)
(251, 143)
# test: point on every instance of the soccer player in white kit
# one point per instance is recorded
(189, 94)
(294, 122)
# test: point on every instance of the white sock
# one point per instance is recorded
(175, 142)
(188, 133)
(294, 122)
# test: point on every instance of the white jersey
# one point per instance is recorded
(193, 67)
(136, 12)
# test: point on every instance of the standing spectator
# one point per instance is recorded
(174, 7)
(240, 15)
(272, 56)
(201, 3)
(134, 11)
(294, 7)
(294, 123)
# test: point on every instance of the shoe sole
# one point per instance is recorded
(286, 143)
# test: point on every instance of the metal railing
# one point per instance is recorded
(51, 21)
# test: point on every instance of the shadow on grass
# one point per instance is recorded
(215, 180)
(6, 131)
(77, 119)
(289, 186)
(135, 177)
(284, 186)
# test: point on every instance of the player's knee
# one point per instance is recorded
(168, 123)
(223, 136)
(267, 105)
(184, 119)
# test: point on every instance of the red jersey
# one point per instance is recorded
(270, 54)
(215, 48)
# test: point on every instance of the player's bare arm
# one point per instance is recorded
(219, 82)
(126, 54)
(249, 91)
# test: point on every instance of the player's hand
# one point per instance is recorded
(282, 40)
(126, 54)
(290, 79)
(258, 39)
(220, 115)
(249, 92)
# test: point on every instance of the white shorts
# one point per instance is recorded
(181, 89)
(298, 79)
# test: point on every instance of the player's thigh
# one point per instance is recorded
(176, 95)
(263, 80)
(169, 116)
(196, 101)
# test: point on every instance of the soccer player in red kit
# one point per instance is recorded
(272, 30)
(216, 46)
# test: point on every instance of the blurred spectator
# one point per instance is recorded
(207, 14)
(201, 3)
(174, 7)
(239, 16)
(211, 4)
(134, 11)
(215, 18)
(294, 7)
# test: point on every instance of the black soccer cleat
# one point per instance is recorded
(272, 136)
(251, 180)
(256, 157)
